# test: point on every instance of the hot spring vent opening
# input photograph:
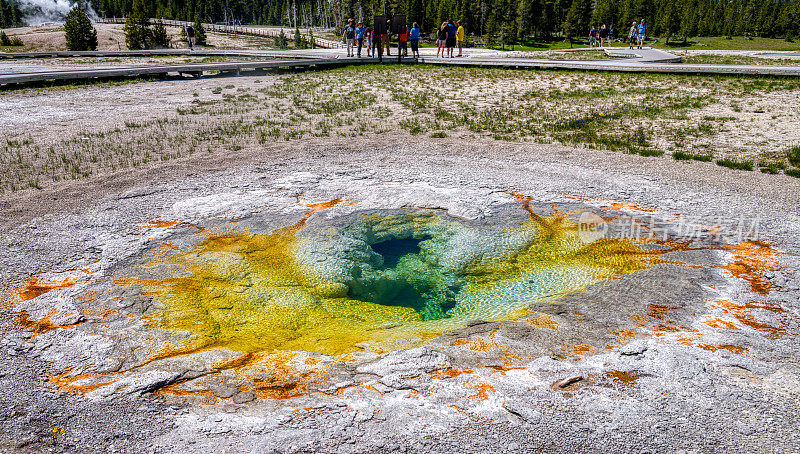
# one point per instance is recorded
(405, 279)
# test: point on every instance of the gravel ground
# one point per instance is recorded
(683, 397)
(695, 353)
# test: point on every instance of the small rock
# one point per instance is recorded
(568, 381)
(633, 348)
(244, 397)
(223, 392)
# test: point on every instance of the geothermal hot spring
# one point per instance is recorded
(294, 299)
(373, 281)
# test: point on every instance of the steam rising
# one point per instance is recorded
(40, 12)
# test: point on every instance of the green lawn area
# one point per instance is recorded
(735, 43)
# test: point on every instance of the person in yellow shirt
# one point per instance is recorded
(460, 35)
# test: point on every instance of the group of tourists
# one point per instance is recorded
(605, 36)
(637, 34)
(357, 37)
(448, 37)
(602, 37)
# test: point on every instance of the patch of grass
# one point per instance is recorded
(771, 167)
(793, 173)
(641, 114)
(648, 152)
(734, 43)
(684, 156)
(735, 165)
(711, 59)
(793, 155)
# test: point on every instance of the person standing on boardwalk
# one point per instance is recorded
(603, 35)
(377, 51)
(385, 38)
(349, 36)
(402, 39)
(368, 33)
(592, 36)
(441, 40)
(360, 31)
(190, 35)
(642, 29)
(633, 34)
(414, 40)
(451, 37)
(460, 35)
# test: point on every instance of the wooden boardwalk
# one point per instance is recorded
(193, 69)
(326, 58)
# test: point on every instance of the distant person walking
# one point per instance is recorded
(612, 33)
(592, 36)
(441, 40)
(460, 35)
(603, 35)
(349, 35)
(190, 35)
(633, 34)
(451, 37)
(360, 31)
(642, 29)
(414, 40)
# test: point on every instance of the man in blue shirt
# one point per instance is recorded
(360, 31)
(642, 33)
(414, 40)
(451, 37)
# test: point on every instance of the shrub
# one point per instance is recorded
(78, 31)
(793, 173)
(199, 33)
(736, 165)
(280, 40)
(794, 156)
(160, 36)
(6, 41)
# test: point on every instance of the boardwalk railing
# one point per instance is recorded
(235, 30)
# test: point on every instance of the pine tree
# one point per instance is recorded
(137, 27)
(578, 17)
(199, 33)
(280, 40)
(160, 35)
(78, 31)
(299, 41)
